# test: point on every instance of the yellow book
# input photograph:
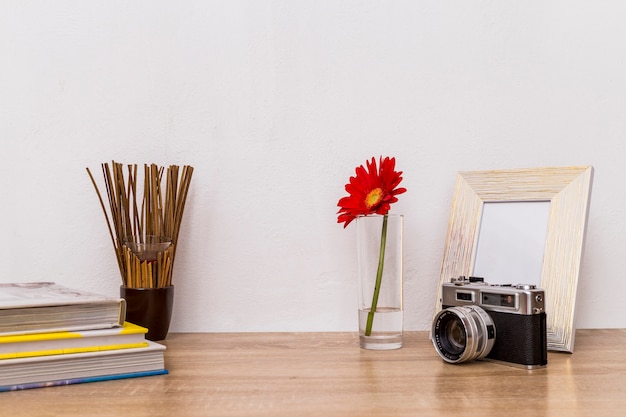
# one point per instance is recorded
(59, 343)
(74, 368)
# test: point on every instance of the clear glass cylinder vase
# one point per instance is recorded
(379, 271)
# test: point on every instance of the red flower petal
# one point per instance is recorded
(371, 177)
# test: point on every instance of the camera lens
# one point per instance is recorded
(462, 334)
(455, 335)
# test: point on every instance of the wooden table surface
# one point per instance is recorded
(327, 374)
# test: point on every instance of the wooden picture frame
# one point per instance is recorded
(568, 190)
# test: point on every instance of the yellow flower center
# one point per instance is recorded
(373, 197)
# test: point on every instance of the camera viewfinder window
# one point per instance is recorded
(465, 296)
(500, 300)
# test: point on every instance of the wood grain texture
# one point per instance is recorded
(327, 374)
(568, 191)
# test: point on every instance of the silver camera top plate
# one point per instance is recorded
(517, 299)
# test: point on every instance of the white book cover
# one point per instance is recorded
(37, 307)
(37, 294)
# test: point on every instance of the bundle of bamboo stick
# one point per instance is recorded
(134, 217)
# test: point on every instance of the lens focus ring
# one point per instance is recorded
(462, 334)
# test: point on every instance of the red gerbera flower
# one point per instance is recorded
(371, 191)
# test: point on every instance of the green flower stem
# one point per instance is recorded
(379, 278)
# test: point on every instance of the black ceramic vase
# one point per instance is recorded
(150, 308)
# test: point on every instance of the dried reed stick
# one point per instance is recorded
(156, 212)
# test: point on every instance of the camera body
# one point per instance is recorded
(503, 323)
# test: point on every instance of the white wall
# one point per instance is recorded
(275, 103)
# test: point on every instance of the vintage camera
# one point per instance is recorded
(503, 323)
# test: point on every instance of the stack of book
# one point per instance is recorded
(52, 335)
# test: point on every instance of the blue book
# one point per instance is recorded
(81, 380)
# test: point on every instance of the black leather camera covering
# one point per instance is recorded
(520, 338)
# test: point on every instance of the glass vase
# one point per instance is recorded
(379, 271)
